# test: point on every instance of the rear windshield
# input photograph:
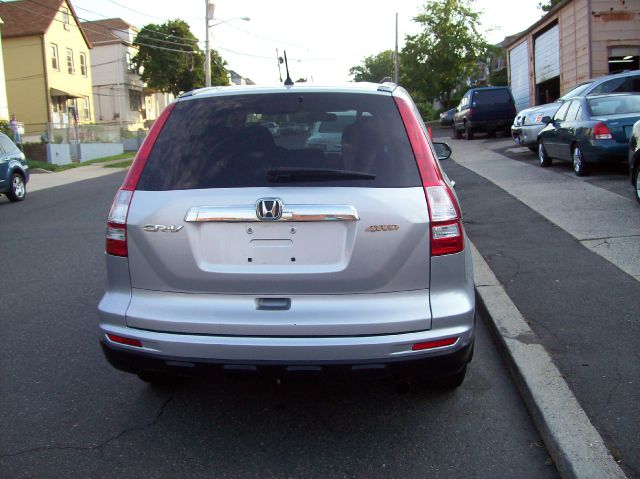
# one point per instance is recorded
(342, 139)
(614, 105)
(491, 97)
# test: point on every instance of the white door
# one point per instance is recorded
(547, 55)
(519, 75)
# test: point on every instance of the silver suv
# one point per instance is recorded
(229, 249)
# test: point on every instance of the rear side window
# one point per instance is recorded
(628, 84)
(491, 97)
(224, 142)
(614, 105)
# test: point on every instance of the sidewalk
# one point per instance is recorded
(42, 180)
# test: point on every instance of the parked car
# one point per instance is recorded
(528, 122)
(224, 253)
(488, 109)
(634, 159)
(273, 127)
(326, 134)
(14, 171)
(446, 117)
(593, 129)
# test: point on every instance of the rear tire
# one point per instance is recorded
(452, 381)
(638, 183)
(18, 189)
(455, 134)
(543, 158)
(468, 132)
(580, 166)
(158, 379)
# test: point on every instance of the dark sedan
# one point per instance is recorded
(585, 130)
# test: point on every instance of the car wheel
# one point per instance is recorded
(580, 166)
(468, 132)
(638, 184)
(455, 134)
(18, 189)
(543, 158)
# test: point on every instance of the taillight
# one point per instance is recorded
(602, 132)
(116, 243)
(117, 224)
(444, 213)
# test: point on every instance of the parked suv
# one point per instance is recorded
(488, 109)
(228, 249)
(14, 171)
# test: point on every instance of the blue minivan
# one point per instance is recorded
(14, 171)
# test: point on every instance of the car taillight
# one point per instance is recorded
(444, 212)
(116, 242)
(602, 132)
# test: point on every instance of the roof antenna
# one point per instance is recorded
(288, 81)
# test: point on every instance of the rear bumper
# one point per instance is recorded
(604, 151)
(436, 363)
(490, 125)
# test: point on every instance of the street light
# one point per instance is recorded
(207, 59)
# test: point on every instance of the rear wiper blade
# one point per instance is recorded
(316, 174)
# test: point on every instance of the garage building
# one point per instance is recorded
(576, 40)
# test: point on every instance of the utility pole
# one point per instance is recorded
(210, 7)
(396, 59)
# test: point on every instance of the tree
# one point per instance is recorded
(548, 5)
(445, 54)
(374, 68)
(170, 60)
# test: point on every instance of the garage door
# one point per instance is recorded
(547, 55)
(519, 75)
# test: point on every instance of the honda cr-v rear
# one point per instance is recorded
(229, 248)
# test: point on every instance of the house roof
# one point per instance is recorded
(24, 18)
(102, 31)
(508, 41)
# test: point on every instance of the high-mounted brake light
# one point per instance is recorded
(444, 213)
(602, 132)
(116, 241)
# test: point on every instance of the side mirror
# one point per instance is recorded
(546, 120)
(443, 151)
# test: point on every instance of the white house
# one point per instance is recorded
(120, 96)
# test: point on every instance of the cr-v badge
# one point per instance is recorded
(162, 228)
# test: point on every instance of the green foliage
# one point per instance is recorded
(170, 60)
(374, 68)
(4, 128)
(439, 59)
(548, 5)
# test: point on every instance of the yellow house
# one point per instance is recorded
(47, 65)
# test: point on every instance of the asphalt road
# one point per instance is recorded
(583, 307)
(64, 412)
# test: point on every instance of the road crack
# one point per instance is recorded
(95, 447)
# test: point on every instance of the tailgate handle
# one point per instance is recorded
(273, 304)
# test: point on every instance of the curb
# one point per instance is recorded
(576, 447)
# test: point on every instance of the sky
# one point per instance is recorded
(322, 39)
